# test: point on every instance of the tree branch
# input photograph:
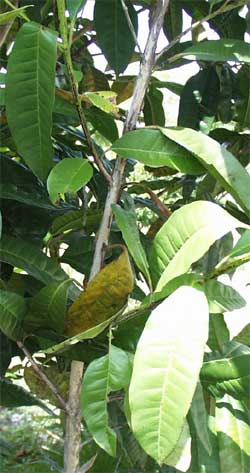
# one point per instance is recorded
(131, 26)
(223, 9)
(43, 376)
(146, 68)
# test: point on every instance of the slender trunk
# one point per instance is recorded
(73, 423)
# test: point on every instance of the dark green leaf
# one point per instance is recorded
(222, 298)
(172, 25)
(112, 28)
(30, 95)
(153, 110)
(218, 332)
(12, 395)
(74, 6)
(13, 308)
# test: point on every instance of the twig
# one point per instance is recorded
(131, 26)
(4, 30)
(74, 87)
(146, 67)
(43, 376)
(224, 8)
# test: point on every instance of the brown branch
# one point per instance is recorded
(43, 376)
(146, 68)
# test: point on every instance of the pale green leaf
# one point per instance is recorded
(219, 162)
(8, 16)
(104, 375)
(105, 100)
(166, 370)
(12, 311)
(126, 221)
(233, 431)
(30, 86)
(69, 175)
(148, 146)
(186, 237)
(220, 50)
(180, 457)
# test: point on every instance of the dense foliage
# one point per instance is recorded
(165, 386)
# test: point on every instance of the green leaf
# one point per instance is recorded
(243, 106)
(13, 308)
(202, 462)
(218, 332)
(47, 308)
(148, 147)
(30, 95)
(180, 457)
(243, 336)
(69, 175)
(103, 123)
(228, 372)
(222, 298)
(112, 28)
(233, 431)
(166, 369)
(242, 246)
(153, 110)
(1, 224)
(74, 6)
(24, 255)
(126, 221)
(12, 395)
(186, 237)
(219, 162)
(8, 16)
(199, 418)
(221, 50)
(103, 100)
(104, 375)
(172, 25)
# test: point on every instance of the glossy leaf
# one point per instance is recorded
(228, 372)
(47, 308)
(104, 375)
(13, 395)
(186, 237)
(112, 28)
(219, 162)
(13, 308)
(69, 175)
(28, 257)
(166, 369)
(222, 297)
(148, 147)
(233, 431)
(30, 95)
(221, 50)
(126, 221)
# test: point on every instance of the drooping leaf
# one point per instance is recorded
(69, 175)
(199, 418)
(218, 331)
(112, 28)
(243, 107)
(166, 369)
(47, 308)
(219, 162)
(13, 308)
(153, 110)
(172, 25)
(105, 296)
(148, 147)
(104, 375)
(126, 221)
(233, 431)
(185, 237)
(222, 297)
(103, 123)
(228, 372)
(221, 50)
(12, 395)
(30, 95)
(28, 257)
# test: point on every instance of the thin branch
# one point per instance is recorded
(146, 68)
(74, 87)
(131, 26)
(43, 376)
(4, 30)
(223, 9)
